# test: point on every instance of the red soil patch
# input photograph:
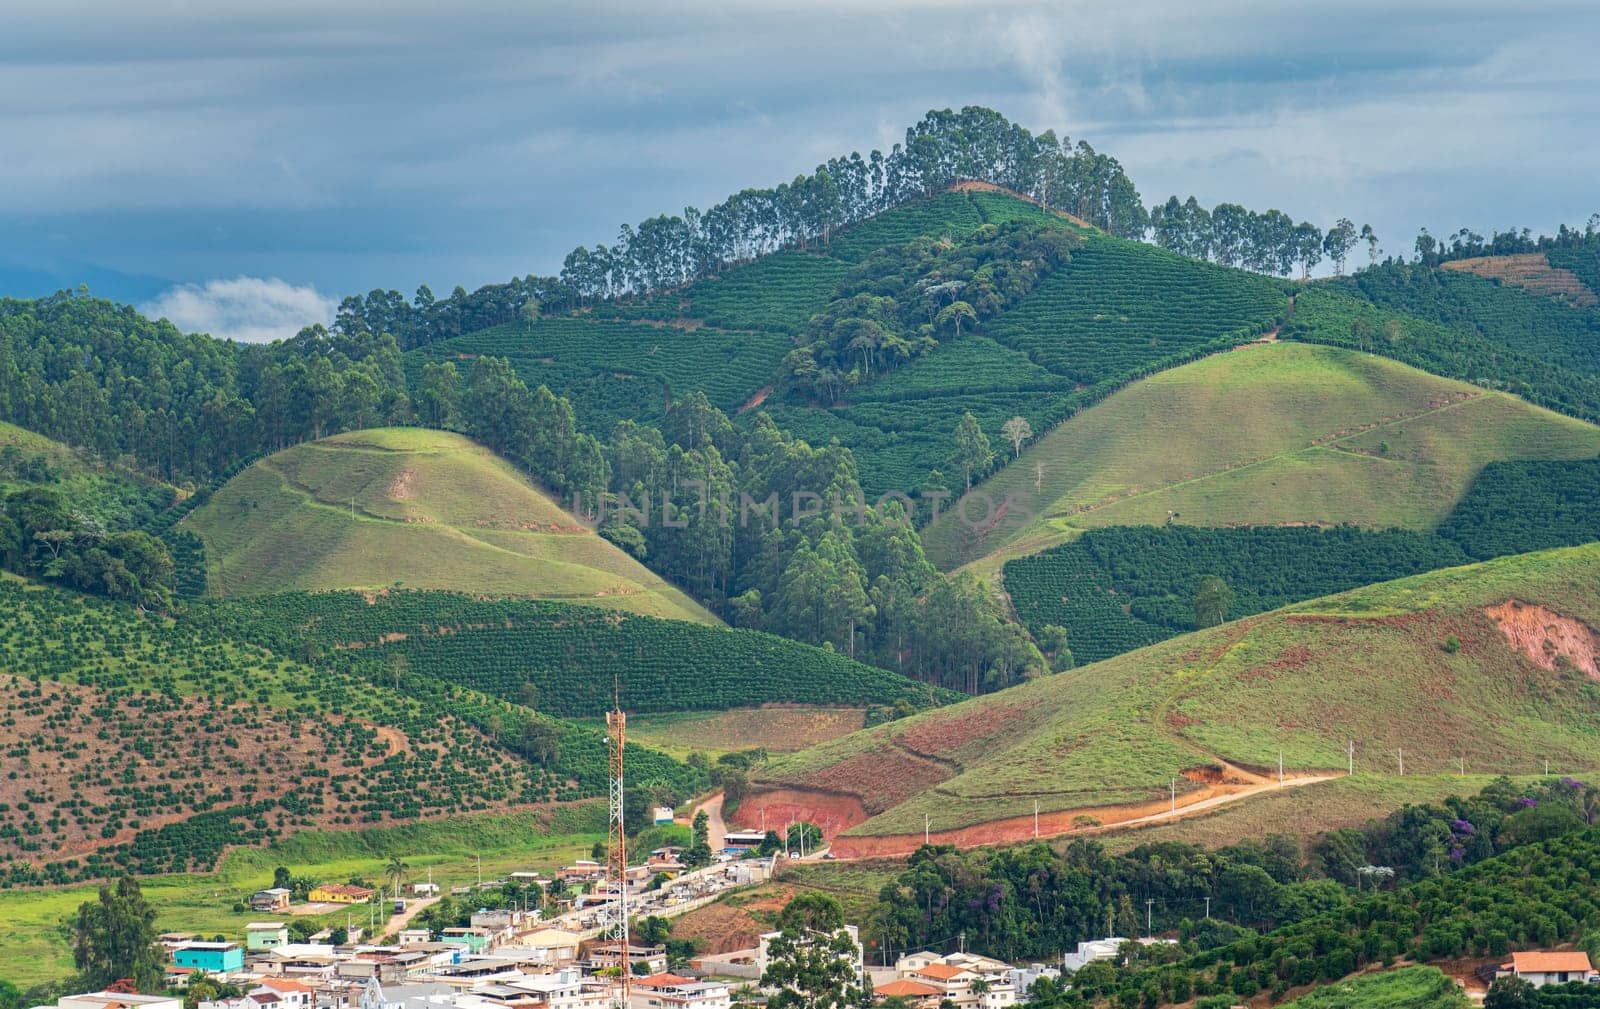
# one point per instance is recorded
(1531, 270)
(725, 927)
(938, 736)
(880, 778)
(756, 400)
(779, 807)
(1545, 636)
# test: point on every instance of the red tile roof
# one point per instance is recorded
(661, 981)
(907, 989)
(941, 971)
(1551, 963)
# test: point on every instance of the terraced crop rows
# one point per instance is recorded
(612, 369)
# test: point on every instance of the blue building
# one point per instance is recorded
(211, 957)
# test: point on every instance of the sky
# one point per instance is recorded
(238, 167)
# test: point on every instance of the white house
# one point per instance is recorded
(1094, 949)
(904, 966)
(1540, 969)
(669, 991)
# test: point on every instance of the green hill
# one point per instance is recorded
(415, 508)
(1268, 435)
(1489, 666)
(565, 660)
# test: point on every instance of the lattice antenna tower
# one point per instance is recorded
(617, 863)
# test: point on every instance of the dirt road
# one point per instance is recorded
(413, 908)
(1061, 822)
(715, 828)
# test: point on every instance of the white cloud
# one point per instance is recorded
(247, 309)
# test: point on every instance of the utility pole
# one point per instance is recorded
(925, 824)
(1108, 922)
(1149, 917)
(1402, 752)
(478, 860)
(1463, 766)
(1036, 818)
(1174, 810)
(1352, 756)
(1208, 907)
(1280, 768)
(1547, 767)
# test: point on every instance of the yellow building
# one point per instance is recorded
(340, 893)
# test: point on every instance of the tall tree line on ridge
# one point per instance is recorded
(670, 250)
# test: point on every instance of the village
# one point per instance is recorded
(511, 957)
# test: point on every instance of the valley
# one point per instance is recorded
(944, 550)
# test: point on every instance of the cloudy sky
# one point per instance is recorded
(239, 167)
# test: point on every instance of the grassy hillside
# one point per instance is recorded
(1271, 434)
(1491, 665)
(1122, 587)
(413, 508)
(138, 743)
(564, 660)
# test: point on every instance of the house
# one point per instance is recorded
(424, 889)
(584, 870)
(923, 996)
(211, 957)
(552, 946)
(744, 838)
(663, 815)
(118, 1000)
(669, 991)
(1094, 949)
(260, 935)
(955, 982)
(274, 899)
(414, 937)
(473, 940)
(1540, 969)
(340, 893)
(610, 954)
(290, 994)
(911, 962)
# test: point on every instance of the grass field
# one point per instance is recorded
(777, 729)
(1416, 665)
(1309, 810)
(1415, 987)
(416, 509)
(35, 947)
(1270, 434)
